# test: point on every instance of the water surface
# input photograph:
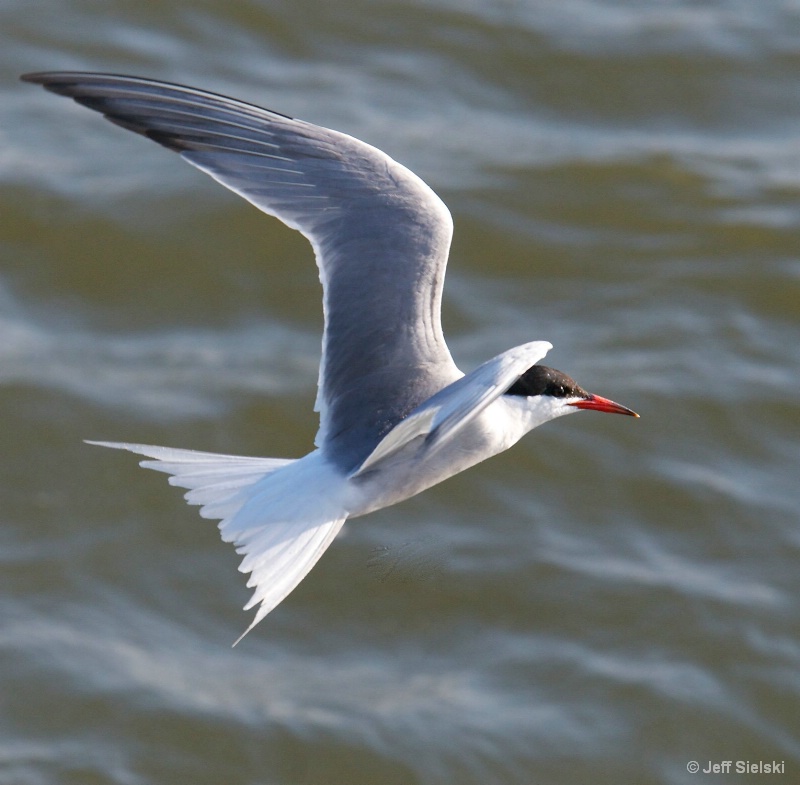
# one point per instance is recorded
(605, 603)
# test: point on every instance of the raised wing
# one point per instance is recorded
(381, 238)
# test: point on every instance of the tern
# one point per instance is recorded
(396, 415)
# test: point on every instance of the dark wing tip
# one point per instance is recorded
(60, 81)
(149, 107)
(80, 84)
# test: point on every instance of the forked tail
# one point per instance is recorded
(281, 514)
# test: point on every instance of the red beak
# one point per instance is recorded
(602, 405)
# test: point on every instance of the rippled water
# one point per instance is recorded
(605, 603)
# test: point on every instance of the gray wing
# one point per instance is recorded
(381, 238)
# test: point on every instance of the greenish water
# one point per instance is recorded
(605, 603)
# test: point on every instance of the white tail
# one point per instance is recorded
(281, 514)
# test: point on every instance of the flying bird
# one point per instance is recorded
(396, 414)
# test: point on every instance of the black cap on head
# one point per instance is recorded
(541, 380)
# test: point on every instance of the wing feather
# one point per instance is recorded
(442, 416)
(381, 237)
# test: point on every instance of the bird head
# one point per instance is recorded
(560, 393)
